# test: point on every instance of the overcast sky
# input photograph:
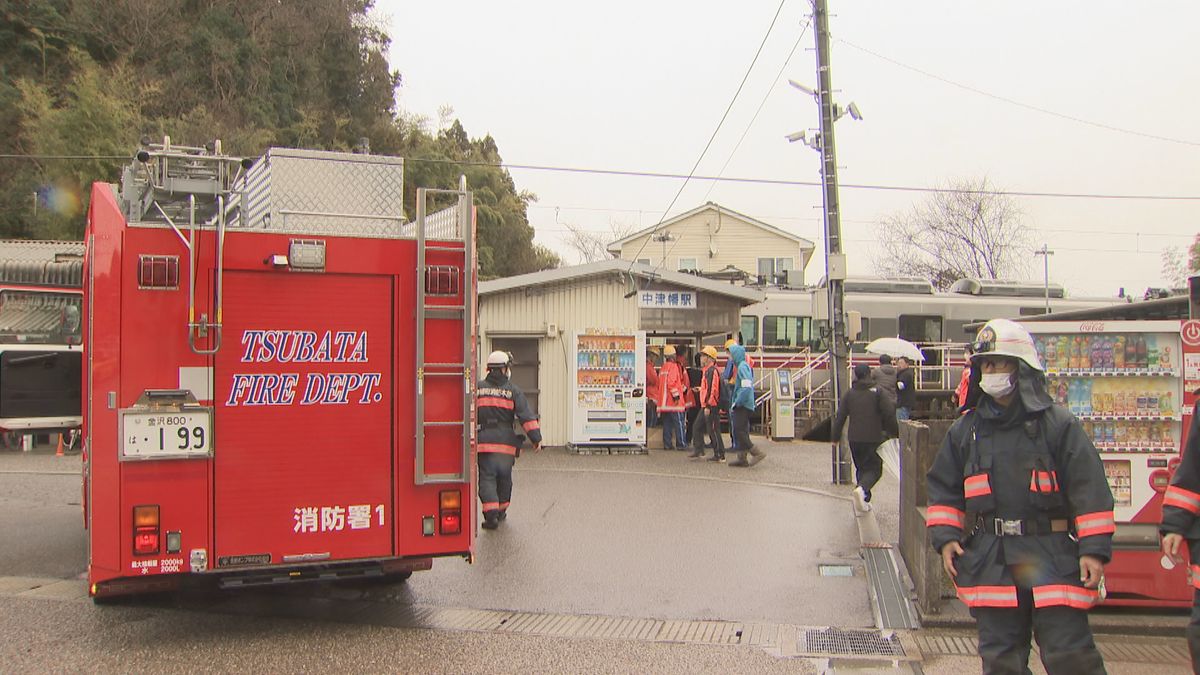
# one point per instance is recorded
(641, 86)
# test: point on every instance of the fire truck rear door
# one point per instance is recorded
(304, 415)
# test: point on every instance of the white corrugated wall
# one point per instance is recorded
(587, 303)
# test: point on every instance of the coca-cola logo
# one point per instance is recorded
(1191, 333)
(1091, 327)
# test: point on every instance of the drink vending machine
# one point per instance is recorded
(1130, 384)
(608, 388)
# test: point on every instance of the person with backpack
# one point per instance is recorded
(872, 417)
(709, 404)
(741, 408)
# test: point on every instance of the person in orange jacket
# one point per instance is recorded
(672, 389)
(709, 418)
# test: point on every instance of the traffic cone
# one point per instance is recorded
(59, 452)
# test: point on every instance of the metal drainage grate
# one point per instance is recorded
(851, 642)
(836, 570)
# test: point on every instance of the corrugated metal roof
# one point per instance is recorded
(37, 317)
(42, 263)
(566, 274)
(34, 250)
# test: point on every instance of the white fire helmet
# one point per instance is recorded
(498, 359)
(1001, 337)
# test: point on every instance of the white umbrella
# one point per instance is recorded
(895, 347)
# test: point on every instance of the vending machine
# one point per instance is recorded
(608, 388)
(1125, 382)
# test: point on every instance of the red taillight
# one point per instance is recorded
(450, 512)
(145, 541)
(145, 529)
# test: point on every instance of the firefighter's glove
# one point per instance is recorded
(1091, 571)
(1170, 547)
(950, 551)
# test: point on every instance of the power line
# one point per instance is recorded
(714, 133)
(1019, 104)
(757, 181)
(762, 103)
(861, 221)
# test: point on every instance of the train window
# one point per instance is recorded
(749, 331)
(820, 333)
(921, 327)
(643, 261)
(880, 326)
(786, 332)
(1031, 311)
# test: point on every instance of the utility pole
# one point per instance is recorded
(835, 260)
(1045, 252)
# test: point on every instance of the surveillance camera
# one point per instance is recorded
(797, 136)
(802, 88)
(854, 111)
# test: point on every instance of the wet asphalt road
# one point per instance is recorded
(651, 536)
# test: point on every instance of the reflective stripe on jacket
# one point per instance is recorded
(498, 402)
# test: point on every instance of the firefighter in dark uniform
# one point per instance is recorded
(1021, 512)
(497, 403)
(1181, 504)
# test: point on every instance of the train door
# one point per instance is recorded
(926, 328)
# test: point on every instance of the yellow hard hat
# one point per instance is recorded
(730, 342)
(710, 351)
(669, 350)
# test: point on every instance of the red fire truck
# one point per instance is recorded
(1132, 382)
(279, 371)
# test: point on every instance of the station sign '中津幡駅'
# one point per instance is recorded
(667, 299)
(304, 347)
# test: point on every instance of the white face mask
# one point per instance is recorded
(997, 385)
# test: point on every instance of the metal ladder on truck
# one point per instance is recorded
(447, 281)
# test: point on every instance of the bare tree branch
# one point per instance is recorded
(964, 231)
(592, 246)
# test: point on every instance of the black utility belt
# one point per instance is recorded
(1003, 527)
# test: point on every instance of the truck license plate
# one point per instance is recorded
(173, 434)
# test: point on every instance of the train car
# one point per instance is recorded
(787, 329)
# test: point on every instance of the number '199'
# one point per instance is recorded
(182, 439)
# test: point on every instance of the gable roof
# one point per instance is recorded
(613, 267)
(615, 247)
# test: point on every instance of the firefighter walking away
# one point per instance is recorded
(1181, 504)
(497, 403)
(1021, 512)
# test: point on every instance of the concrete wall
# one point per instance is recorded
(588, 303)
(729, 240)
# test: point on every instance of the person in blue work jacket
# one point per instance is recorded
(742, 407)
